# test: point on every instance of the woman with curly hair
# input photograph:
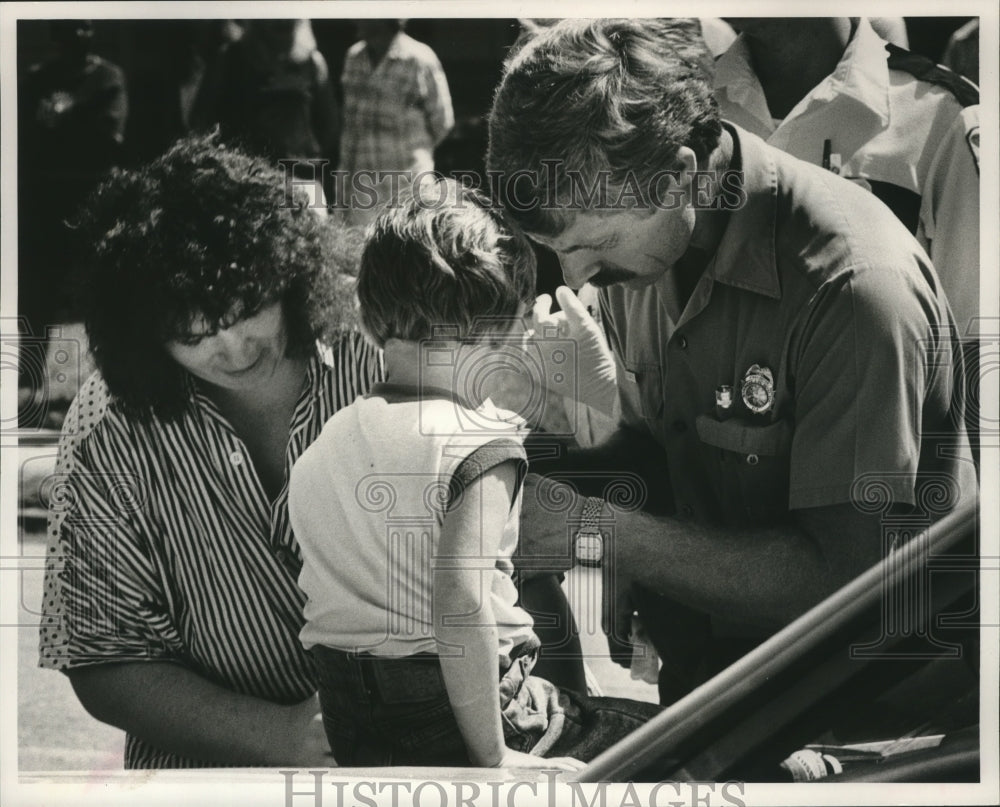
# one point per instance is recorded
(220, 321)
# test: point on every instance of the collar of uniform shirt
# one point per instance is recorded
(756, 268)
(862, 74)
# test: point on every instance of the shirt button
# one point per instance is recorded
(752, 459)
(236, 458)
(281, 554)
(683, 342)
(680, 426)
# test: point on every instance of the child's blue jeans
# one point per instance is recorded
(395, 711)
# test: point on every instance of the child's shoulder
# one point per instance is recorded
(487, 435)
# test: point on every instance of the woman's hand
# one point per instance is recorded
(308, 744)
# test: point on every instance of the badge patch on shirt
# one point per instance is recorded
(757, 389)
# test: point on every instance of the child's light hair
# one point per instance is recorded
(442, 261)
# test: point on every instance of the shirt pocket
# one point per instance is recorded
(751, 463)
(641, 391)
(412, 679)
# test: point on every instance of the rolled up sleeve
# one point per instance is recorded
(103, 601)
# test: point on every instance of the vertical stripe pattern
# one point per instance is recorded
(163, 544)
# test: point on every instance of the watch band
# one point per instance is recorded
(589, 542)
(590, 520)
(588, 545)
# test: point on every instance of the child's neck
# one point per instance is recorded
(429, 370)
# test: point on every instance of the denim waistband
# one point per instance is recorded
(402, 678)
(529, 647)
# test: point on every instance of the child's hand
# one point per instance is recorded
(518, 759)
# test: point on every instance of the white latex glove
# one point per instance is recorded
(587, 374)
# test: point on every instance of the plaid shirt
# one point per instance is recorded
(396, 113)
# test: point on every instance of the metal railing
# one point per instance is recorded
(677, 723)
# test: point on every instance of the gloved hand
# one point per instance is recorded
(587, 374)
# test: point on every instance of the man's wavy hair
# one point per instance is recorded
(442, 262)
(618, 96)
(202, 231)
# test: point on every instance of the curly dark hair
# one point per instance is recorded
(204, 230)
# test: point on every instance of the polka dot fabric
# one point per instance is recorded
(84, 414)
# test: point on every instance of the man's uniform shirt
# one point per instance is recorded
(817, 283)
(899, 125)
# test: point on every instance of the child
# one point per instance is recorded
(406, 510)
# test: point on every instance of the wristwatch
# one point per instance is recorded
(589, 544)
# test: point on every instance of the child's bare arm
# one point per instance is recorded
(463, 618)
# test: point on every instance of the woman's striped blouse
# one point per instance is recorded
(163, 544)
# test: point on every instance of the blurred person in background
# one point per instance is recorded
(832, 92)
(72, 110)
(274, 97)
(172, 85)
(397, 109)
(73, 113)
(961, 54)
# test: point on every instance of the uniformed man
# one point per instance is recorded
(782, 342)
(831, 92)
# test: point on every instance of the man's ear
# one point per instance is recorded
(687, 163)
(673, 187)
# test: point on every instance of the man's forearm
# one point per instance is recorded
(179, 712)
(756, 575)
(766, 576)
(761, 576)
